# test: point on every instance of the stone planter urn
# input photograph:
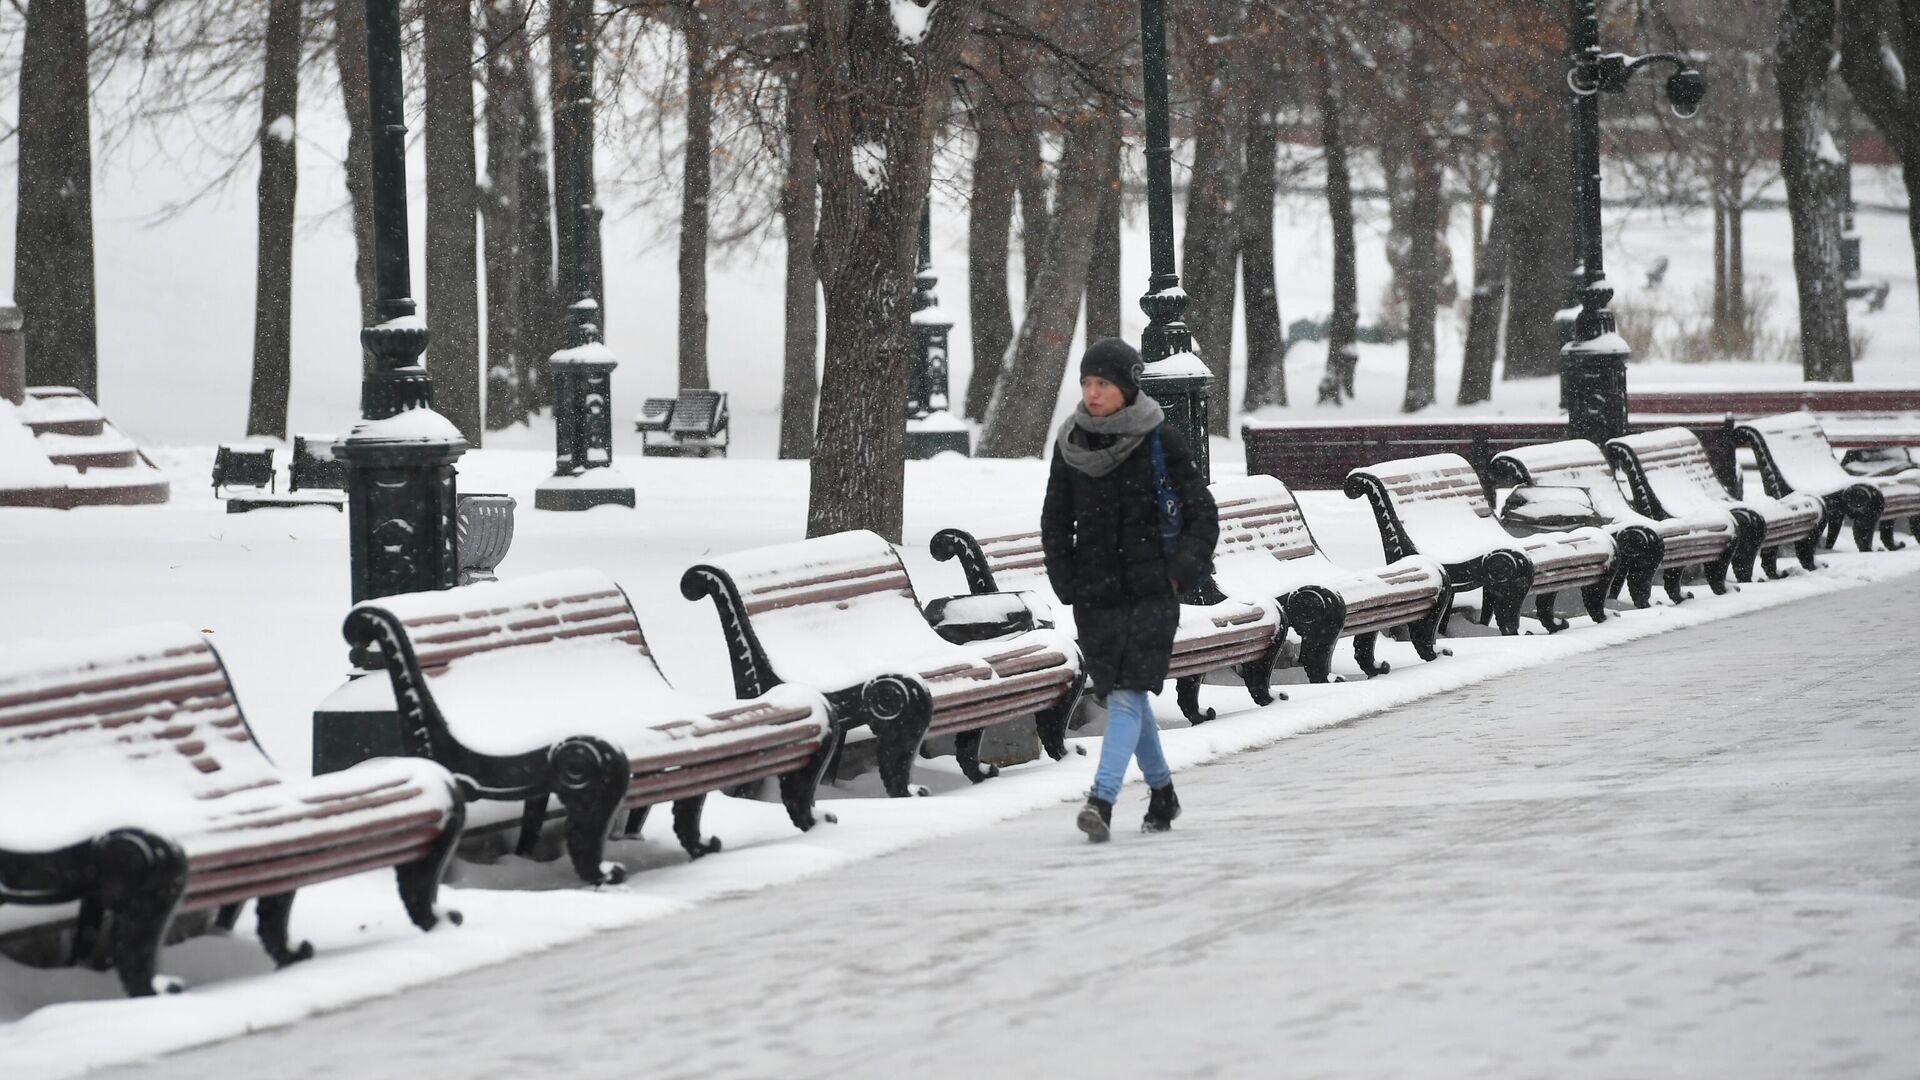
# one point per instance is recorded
(486, 532)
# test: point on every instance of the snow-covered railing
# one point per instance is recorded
(839, 612)
(1667, 471)
(1794, 456)
(1434, 505)
(130, 781)
(543, 687)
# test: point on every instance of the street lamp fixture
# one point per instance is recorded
(1593, 362)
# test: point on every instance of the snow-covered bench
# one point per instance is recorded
(1267, 550)
(1238, 634)
(1646, 546)
(543, 687)
(1795, 456)
(838, 612)
(1668, 475)
(130, 782)
(1435, 505)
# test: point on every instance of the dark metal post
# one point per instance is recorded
(583, 475)
(399, 458)
(1174, 376)
(402, 529)
(931, 429)
(1593, 364)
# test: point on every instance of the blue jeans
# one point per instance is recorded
(1131, 732)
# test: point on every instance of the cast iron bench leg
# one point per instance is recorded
(798, 788)
(419, 880)
(1257, 674)
(1543, 609)
(141, 878)
(1052, 723)
(901, 734)
(1887, 539)
(1186, 691)
(1594, 597)
(1749, 534)
(590, 778)
(1672, 578)
(686, 826)
(1803, 550)
(966, 750)
(533, 815)
(1363, 646)
(636, 820)
(272, 913)
(1425, 632)
(1770, 563)
(1716, 572)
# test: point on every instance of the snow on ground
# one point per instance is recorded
(270, 588)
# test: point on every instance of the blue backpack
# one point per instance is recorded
(1165, 498)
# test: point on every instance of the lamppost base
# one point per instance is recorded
(356, 722)
(1183, 385)
(583, 491)
(937, 433)
(1593, 375)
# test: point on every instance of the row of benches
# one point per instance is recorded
(143, 792)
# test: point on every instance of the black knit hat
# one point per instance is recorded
(1115, 361)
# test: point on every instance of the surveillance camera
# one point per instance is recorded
(1686, 88)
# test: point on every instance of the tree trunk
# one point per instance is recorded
(273, 267)
(1542, 244)
(1489, 297)
(800, 384)
(879, 100)
(1880, 74)
(1737, 274)
(1423, 273)
(1020, 420)
(989, 219)
(1030, 179)
(500, 215)
(541, 303)
(1210, 246)
(697, 185)
(1103, 265)
(1815, 202)
(1266, 339)
(1719, 332)
(53, 224)
(1344, 324)
(350, 53)
(453, 258)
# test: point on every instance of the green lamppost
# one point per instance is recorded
(931, 429)
(1174, 376)
(399, 457)
(1593, 363)
(402, 528)
(583, 474)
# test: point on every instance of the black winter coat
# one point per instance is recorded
(1101, 537)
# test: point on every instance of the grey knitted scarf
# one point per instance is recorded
(1128, 426)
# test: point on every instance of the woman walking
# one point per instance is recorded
(1121, 559)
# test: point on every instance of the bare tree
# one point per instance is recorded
(53, 223)
(799, 213)
(1880, 56)
(350, 54)
(882, 85)
(1342, 354)
(501, 210)
(273, 268)
(453, 261)
(1266, 339)
(1815, 201)
(697, 186)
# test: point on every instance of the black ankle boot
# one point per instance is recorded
(1162, 807)
(1096, 819)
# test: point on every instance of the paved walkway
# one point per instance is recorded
(1697, 854)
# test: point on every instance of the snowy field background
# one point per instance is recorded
(271, 588)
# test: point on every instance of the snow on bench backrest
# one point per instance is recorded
(1574, 463)
(563, 606)
(1675, 467)
(1259, 520)
(1800, 451)
(1436, 495)
(831, 611)
(146, 705)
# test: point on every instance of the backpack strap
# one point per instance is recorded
(1164, 497)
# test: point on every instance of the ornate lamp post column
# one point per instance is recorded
(583, 474)
(1593, 363)
(399, 457)
(402, 528)
(1174, 376)
(931, 429)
